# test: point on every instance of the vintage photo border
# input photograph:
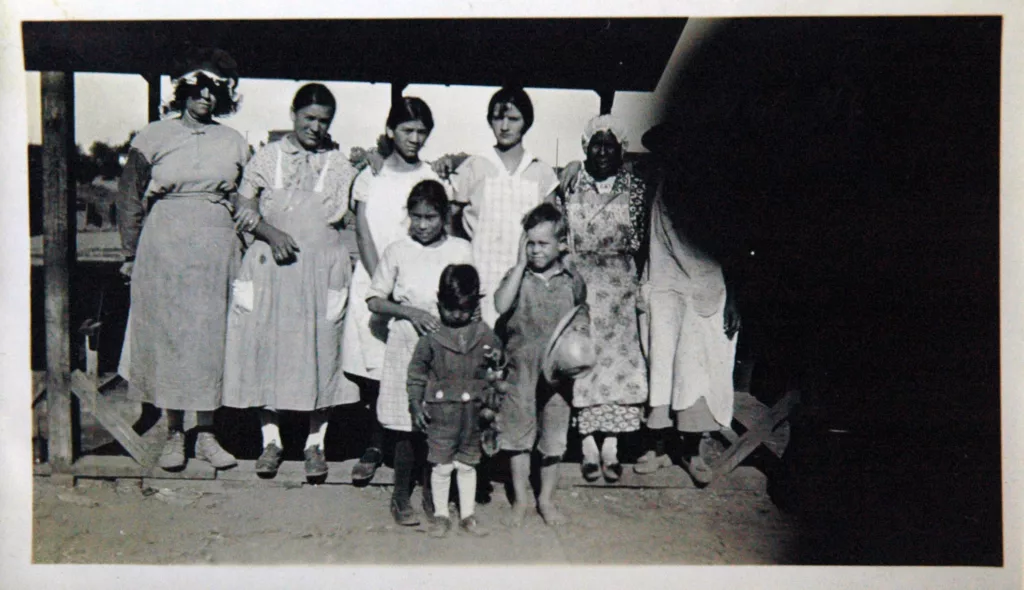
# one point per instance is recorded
(16, 570)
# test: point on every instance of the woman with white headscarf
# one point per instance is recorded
(605, 205)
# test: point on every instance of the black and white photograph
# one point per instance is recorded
(322, 291)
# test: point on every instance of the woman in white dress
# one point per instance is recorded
(379, 200)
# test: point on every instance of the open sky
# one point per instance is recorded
(108, 107)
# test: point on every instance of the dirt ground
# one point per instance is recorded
(228, 522)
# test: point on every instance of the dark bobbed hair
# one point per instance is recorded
(313, 93)
(546, 212)
(226, 105)
(515, 96)
(430, 192)
(459, 287)
(410, 108)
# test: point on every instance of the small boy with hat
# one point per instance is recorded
(533, 299)
(448, 386)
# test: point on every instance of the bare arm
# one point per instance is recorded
(421, 320)
(508, 290)
(367, 251)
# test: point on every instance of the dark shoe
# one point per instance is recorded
(441, 527)
(269, 461)
(591, 471)
(428, 503)
(473, 527)
(364, 470)
(404, 515)
(209, 450)
(316, 464)
(613, 472)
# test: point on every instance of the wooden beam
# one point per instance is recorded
(153, 99)
(757, 435)
(607, 99)
(84, 387)
(58, 95)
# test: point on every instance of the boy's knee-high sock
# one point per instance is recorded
(466, 478)
(405, 461)
(317, 429)
(269, 428)
(440, 481)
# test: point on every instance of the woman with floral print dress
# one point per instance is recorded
(605, 207)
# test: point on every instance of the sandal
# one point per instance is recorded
(591, 471)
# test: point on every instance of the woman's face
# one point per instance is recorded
(604, 155)
(508, 125)
(311, 123)
(409, 138)
(200, 103)
(426, 224)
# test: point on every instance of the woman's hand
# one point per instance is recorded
(731, 318)
(567, 178)
(444, 167)
(281, 244)
(126, 270)
(375, 161)
(420, 417)
(423, 321)
(246, 219)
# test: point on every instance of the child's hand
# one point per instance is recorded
(420, 417)
(424, 322)
(523, 258)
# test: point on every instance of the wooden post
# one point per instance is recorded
(607, 98)
(154, 96)
(396, 91)
(59, 225)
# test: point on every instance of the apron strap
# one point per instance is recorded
(323, 174)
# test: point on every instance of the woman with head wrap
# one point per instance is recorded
(181, 175)
(605, 206)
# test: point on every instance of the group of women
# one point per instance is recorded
(243, 295)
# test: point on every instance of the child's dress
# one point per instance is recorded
(496, 202)
(408, 273)
(384, 197)
(285, 322)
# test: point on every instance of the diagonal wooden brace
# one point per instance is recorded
(757, 434)
(85, 389)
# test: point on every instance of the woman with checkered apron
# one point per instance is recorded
(497, 188)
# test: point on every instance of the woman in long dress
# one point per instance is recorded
(285, 325)
(180, 176)
(379, 199)
(605, 206)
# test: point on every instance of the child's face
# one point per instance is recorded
(454, 317)
(543, 248)
(426, 225)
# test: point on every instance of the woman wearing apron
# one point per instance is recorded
(288, 303)
(180, 175)
(497, 188)
(379, 200)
